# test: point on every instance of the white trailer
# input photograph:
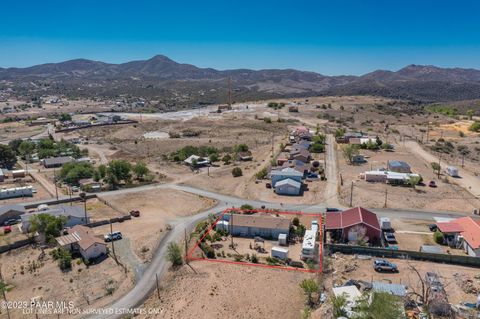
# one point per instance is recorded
(452, 171)
(25, 191)
(280, 252)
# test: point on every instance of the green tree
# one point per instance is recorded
(102, 170)
(240, 148)
(65, 117)
(349, 151)
(26, 149)
(413, 181)
(227, 159)
(48, 225)
(381, 305)
(140, 170)
(340, 132)
(295, 221)
(64, 258)
(436, 167)
(214, 158)
(8, 159)
(338, 304)
(174, 254)
(72, 173)
(475, 127)
(119, 171)
(309, 286)
(15, 144)
(237, 172)
(261, 174)
(470, 114)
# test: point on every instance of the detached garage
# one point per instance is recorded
(288, 187)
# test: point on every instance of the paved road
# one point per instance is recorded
(146, 285)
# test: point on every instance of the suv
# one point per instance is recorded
(384, 265)
(11, 221)
(116, 235)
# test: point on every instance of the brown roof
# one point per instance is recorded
(82, 235)
(350, 217)
(260, 221)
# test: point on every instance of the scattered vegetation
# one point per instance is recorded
(174, 254)
(63, 257)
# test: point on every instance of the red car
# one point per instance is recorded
(432, 184)
(7, 229)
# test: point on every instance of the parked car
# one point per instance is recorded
(384, 265)
(116, 235)
(433, 227)
(11, 221)
(7, 229)
(75, 189)
(390, 237)
(432, 184)
(332, 209)
(268, 185)
(135, 213)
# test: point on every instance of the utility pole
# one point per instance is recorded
(186, 246)
(158, 289)
(83, 196)
(386, 196)
(439, 167)
(428, 129)
(351, 194)
(55, 182)
(231, 227)
(113, 244)
(463, 160)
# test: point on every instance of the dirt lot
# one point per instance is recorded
(31, 276)
(16, 130)
(229, 291)
(446, 196)
(156, 207)
(452, 277)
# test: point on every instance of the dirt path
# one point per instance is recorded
(468, 181)
(331, 172)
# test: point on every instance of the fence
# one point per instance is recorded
(15, 245)
(108, 221)
(404, 254)
(58, 201)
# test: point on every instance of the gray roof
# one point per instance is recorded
(62, 210)
(288, 181)
(1, 172)
(398, 164)
(286, 172)
(6, 208)
(394, 289)
(431, 249)
(57, 160)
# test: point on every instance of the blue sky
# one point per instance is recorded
(330, 37)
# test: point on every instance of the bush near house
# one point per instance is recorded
(237, 172)
(438, 237)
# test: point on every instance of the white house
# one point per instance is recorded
(278, 175)
(195, 160)
(82, 239)
(288, 187)
(25, 191)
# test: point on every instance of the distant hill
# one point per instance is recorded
(177, 83)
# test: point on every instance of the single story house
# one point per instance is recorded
(301, 155)
(89, 185)
(265, 226)
(11, 212)
(398, 167)
(354, 224)
(462, 232)
(75, 215)
(197, 161)
(388, 177)
(288, 187)
(278, 175)
(51, 162)
(297, 165)
(82, 239)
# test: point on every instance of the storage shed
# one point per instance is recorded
(282, 239)
(280, 252)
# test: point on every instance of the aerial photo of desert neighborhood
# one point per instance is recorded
(239, 186)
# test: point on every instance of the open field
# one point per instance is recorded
(157, 208)
(31, 274)
(16, 130)
(446, 196)
(229, 291)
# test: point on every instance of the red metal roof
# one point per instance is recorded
(350, 217)
(471, 230)
(449, 227)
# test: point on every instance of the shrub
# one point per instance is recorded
(438, 237)
(174, 255)
(208, 251)
(238, 257)
(295, 221)
(63, 257)
(254, 259)
(262, 173)
(237, 172)
(475, 127)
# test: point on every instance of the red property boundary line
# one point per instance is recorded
(190, 257)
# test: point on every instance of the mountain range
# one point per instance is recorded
(172, 82)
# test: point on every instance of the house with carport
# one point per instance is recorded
(353, 224)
